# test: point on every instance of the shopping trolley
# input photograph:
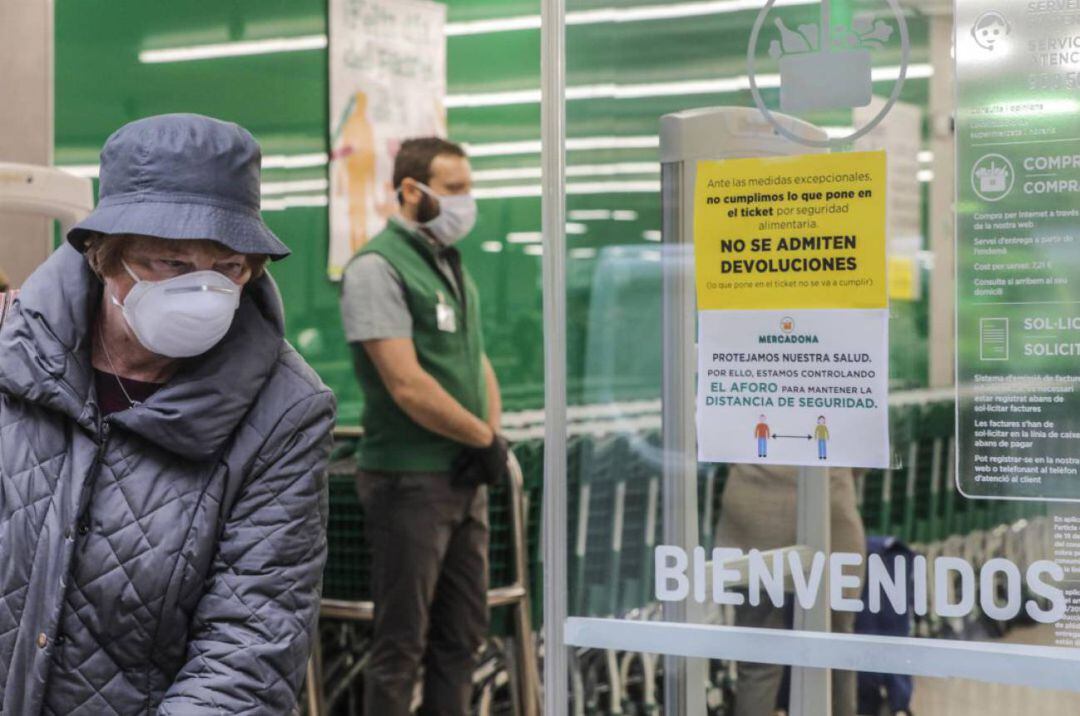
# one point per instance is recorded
(346, 591)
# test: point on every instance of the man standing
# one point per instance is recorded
(431, 443)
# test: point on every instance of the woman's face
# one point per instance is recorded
(153, 259)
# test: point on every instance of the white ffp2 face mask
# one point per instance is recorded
(457, 216)
(182, 316)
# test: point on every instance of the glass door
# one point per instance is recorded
(756, 237)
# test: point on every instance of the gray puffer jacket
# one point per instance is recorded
(166, 559)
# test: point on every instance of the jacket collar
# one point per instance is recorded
(46, 361)
(414, 233)
(429, 251)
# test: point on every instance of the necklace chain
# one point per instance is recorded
(112, 367)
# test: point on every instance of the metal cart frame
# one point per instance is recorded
(514, 595)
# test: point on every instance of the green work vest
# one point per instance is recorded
(392, 441)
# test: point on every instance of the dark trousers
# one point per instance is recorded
(429, 574)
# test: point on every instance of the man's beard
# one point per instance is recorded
(426, 210)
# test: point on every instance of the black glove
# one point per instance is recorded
(482, 466)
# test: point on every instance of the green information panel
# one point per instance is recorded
(1018, 249)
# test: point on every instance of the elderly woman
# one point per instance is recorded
(162, 449)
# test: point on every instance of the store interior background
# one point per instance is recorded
(103, 79)
(283, 98)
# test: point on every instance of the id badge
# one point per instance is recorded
(445, 318)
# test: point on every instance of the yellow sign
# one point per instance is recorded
(903, 278)
(791, 232)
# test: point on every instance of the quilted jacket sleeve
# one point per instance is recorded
(251, 632)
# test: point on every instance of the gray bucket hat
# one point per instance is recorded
(182, 176)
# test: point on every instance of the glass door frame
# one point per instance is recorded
(685, 645)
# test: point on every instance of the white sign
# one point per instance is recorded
(794, 387)
(387, 84)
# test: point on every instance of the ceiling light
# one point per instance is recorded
(267, 189)
(694, 9)
(509, 192)
(613, 187)
(290, 187)
(719, 85)
(506, 174)
(474, 27)
(492, 247)
(625, 215)
(582, 253)
(487, 27)
(579, 170)
(491, 99)
(614, 15)
(525, 237)
(292, 202)
(272, 161)
(925, 175)
(647, 141)
(534, 250)
(590, 214)
(925, 157)
(294, 161)
(234, 49)
(652, 235)
(576, 229)
(579, 188)
(502, 149)
(585, 170)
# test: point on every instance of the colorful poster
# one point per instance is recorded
(1017, 232)
(387, 84)
(793, 310)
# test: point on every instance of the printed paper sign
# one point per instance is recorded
(793, 321)
(798, 388)
(387, 84)
(791, 232)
